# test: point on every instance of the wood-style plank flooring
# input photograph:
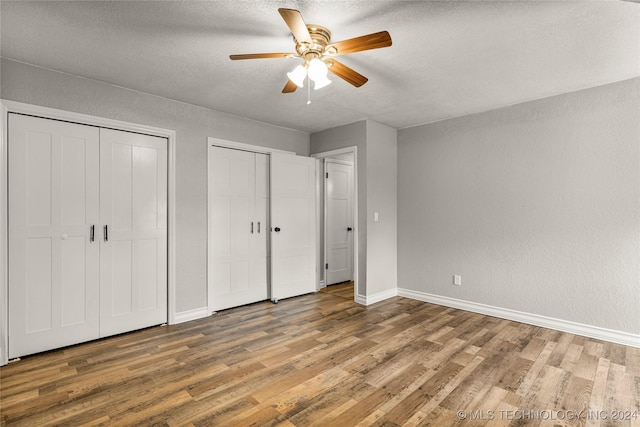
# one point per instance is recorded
(344, 290)
(322, 360)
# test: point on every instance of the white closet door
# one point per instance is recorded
(260, 239)
(293, 219)
(53, 264)
(133, 236)
(339, 222)
(237, 261)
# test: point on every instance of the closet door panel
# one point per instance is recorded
(293, 218)
(74, 281)
(240, 218)
(40, 285)
(148, 257)
(260, 241)
(133, 263)
(236, 274)
(53, 265)
(121, 279)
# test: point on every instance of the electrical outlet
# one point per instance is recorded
(457, 280)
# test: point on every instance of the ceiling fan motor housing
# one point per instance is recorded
(321, 38)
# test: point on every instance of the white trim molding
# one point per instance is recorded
(4, 242)
(360, 299)
(244, 147)
(352, 149)
(189, 315)
(380, 296)
(590, 331)
(70, 116)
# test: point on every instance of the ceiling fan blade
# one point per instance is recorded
(347, 74)
(262, 55)
(358, 44)
(290, 87)
(296, 24)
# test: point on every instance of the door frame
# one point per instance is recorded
(326, 214)
(354, 203)
(223, 143)
(6, 107)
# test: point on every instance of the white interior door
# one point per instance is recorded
(238, 200)
(133, 236)
(339, 221)
(293, 217)
(53, 205)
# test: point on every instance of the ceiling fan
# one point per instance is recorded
(314, 46)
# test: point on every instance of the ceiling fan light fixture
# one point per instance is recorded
(298, 75)
(320, 83)
(317, 70)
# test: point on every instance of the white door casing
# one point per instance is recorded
(238, 215)
(53, 205)
(338, 221)
(293, 217)
(133, 233)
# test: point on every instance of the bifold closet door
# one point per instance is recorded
(260, 250)
(53, 205)
(238, 227)
(293, 220)
(133, 233)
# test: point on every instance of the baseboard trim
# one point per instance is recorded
(380, 296)
(187, 316)
(618, 337)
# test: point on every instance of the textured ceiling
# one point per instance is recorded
(448, 59)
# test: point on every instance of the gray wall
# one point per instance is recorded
(377, 191)
(537, 206)
(354, 134)
(193, 124)
(382, 197)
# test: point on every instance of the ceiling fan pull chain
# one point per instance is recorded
(308, 91)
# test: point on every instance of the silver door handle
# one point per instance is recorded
(106, 233)
(92, 236)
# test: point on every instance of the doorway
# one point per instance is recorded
(338, 221)
(337, 218)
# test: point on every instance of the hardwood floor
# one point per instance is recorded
(344, 290)
(323, 360)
